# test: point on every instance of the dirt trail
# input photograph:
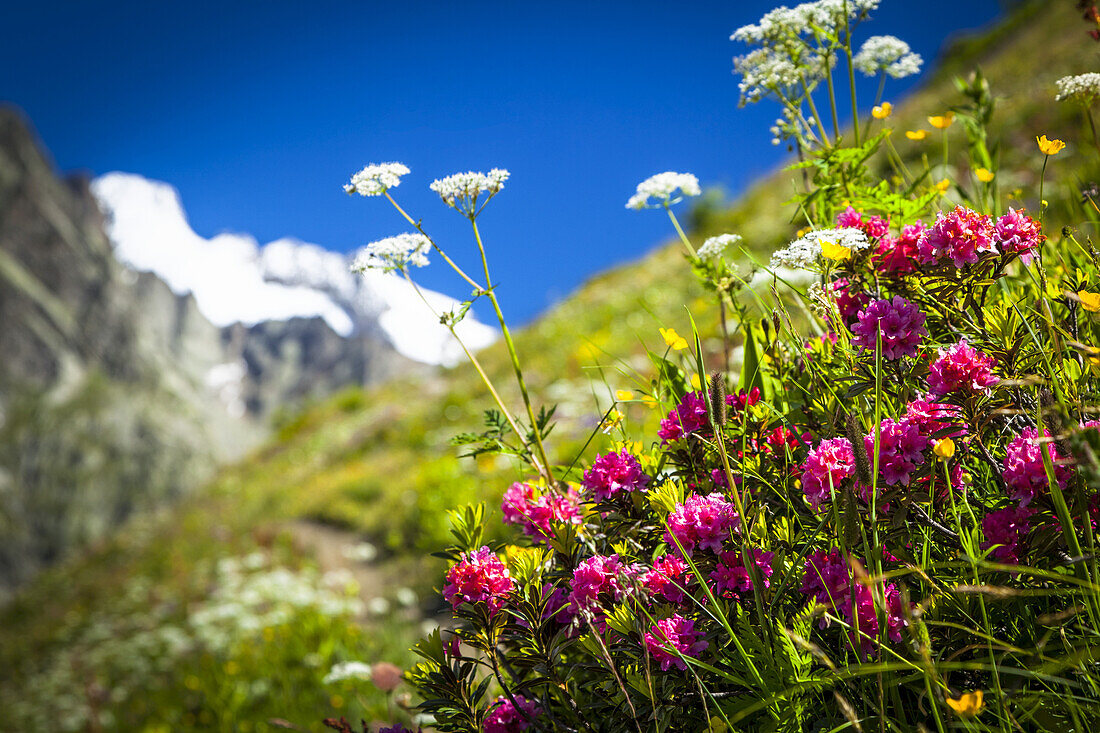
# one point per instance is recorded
(327, 545)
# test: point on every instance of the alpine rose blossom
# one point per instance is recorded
(961, 368)
(690, 416)
(899, 255)
(505, 718)
(674, 633)
(960, 235)
(849, 300)
(1019, 233)
(667, 580)
(1007, 528)
(931, 417)
(478, 577)
(702, 522)
(1024, 472)
(899, 321)
(900, 450)
(732, 580)
(524, 506)
(614, 473)
(594, 579)
(827, 465)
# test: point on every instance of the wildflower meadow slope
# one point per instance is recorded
(673, 555)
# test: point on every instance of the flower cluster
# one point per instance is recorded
(900, 450)
(613, 473)
(394, 253)
(931, 417)
(668, 579)
(672, 639)
(702, 522)
(1006, 531)
(731, 578)
(715, 247)
(827, 465)
(534, 512)
(376, 179)
(830, 581)
(690, 416)
(596, 578)
(479, 577)
(1082, 88)
(960, 235)
(663, 187)
(461, 190)
(898, 255)
(961, 369)
(805, 252)
(1024, 472)
(506, 717)
(897, 322)
(1020, 234)
(887, 55)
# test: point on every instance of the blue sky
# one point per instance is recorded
(259, 111)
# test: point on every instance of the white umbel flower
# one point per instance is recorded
(347, 671)
(462, 190)
(1081, 88)
(393, 253)
(805, 252)
(376, 179)
(887, 54)
(717, 246)
(663, 187)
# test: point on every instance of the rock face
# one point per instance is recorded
(117, 392)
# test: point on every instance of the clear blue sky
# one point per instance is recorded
(259, 111)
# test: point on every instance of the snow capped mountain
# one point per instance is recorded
(235, 280)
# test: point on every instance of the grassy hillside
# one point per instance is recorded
(376, 465)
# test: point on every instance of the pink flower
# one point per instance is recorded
(594, 580)
(505, 718)
(849, 301)
(1008, 528)
(931, 417)
(961, 368)
(849, 218)
(557, 605)
(825, 468)
(732, 580)
(523, 505)
(674, 633)
(876, 227)
(898, 256)
(900, 446)
(667, 580)
(742, 400)
(873, 226)
(395, 729)
(899, 321)
(829, 580)
(827, 577)
(1019, 233)
(612, 473)
(690, 416)
(479, 577)
(1024, 471)
(960, 235)
(702, 522)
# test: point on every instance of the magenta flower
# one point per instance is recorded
(899, 255)
(667, 580)
(523, 505)
(1008, 528)
(827, 577)
(479, 577)
(828, 464)
(961, 368)
(732, 580)
(876, 227)
(557, 605)
(900, 450)
(849, 219)
(612, 473)
(739, 402)
(829, 580)
(899, 321)
(674, 633)
(849, 301)
(960, 235)
(931, 417)
(1019, 233)
(594, 580)
(1024, 471)
(690, 416)
(398, 728)
(702, 522)
(505, 718)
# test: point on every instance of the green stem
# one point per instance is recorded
(435, 246)
(851, 73)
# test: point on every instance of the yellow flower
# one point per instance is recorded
(944, 448)
(834, 251)
(984, 175)
(1050, 147)
(943, 185)
(916, 134)
(673, 340)
(624, 395)
(613, 420)
(882, 111)
(1089, 301)
(942, 122)
(695, 384)
(803, 232)
(649, 401)
(969, 704)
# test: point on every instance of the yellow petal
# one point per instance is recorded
(695, 384)
(916, 134)
(1050, 147)
(942, 122)
(1089, 301)
(968, 705)
(673, 340)
(833, 251)
(944, 448)
(984, 175)
(1082, 277)
(882, 111)
(623, 395)
(943, 185)
(649, 402)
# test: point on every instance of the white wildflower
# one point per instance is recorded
(362, 552)
(717, 246)
(348, 671)
(887, 54)
(775, 26)
(393, 253)
(780, 72)
(1082, 88)
(804, 252)
(462, 190)
(376, 179)
(663, 187)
